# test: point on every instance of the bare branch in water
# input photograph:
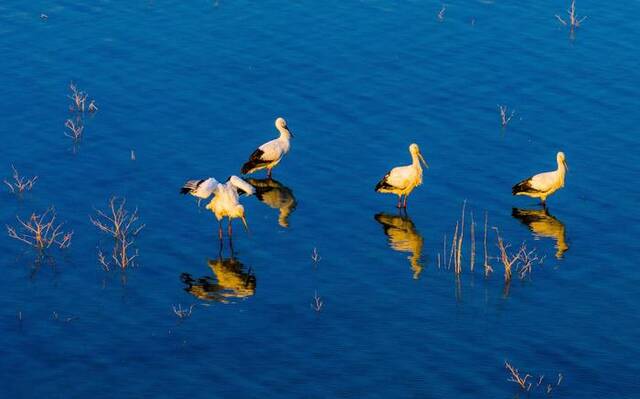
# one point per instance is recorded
(441, 13)
(317, 302)
(123, 226)
(516, 378)
(505, 116)
(574, 20)
(20, 184)
(75, 129)
(41, 231)
(182, 313)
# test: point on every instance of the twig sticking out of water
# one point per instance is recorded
(120, 221)
(574, 20)
(516, 378)
(524, 259)
(524, 383)
(55, 316)
(317, 302)
(20, 184)
(527, 259)
(455, 254)
(182, 313)
(441, 13)
(458, 264)
(41, 231)
(454, 242)
(487, 268)
(123, 226)
(505, 116)
(315, 256)
(78, 98)
(507, 261)
(75, 129)
(472, 261)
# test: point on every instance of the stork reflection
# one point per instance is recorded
(403, 237)
(543, 224)
(230, 281)
(277, 196)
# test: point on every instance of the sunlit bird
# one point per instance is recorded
(543, 185)
(225, 201)
(231, 282)
(275, 195)
(403, 179)
(403, 237)
(269, 154)
(543, 224)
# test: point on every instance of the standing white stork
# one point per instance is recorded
(543, 185)
(269, 154)
(403, 179)
(225, 201)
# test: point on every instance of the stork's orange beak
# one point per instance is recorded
(244, 222)
(423, 161)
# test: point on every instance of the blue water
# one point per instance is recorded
(193, 87)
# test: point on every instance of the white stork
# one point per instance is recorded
(225, 201)
(403, 179)
(543, 185)
(269, 154)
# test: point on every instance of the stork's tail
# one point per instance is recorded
(251, 166)
(521, 187)
(383, 186)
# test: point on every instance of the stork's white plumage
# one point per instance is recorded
(543, 185)
(269, 154)
(403, 179)
(225, 201)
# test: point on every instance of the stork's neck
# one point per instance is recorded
(416, 161)
(562, 171)
(284, 133)
(561, 168)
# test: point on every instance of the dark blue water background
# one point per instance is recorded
(193, 86)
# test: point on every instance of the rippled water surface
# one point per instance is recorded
(192, 87)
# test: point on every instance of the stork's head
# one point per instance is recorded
(415, 151)
(281, 125)
(562, 160)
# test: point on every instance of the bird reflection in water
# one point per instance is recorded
(277, 196)
(543, 224)
(403, 237)
(230, 282)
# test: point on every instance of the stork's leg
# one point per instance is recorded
(269, 173)
(231, 245)
(404, 205)
(399, 206)
(220, 230)
(229, 229)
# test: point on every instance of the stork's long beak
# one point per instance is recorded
(290, 132)
(244, 222)
(423, 161)
(565, 165)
